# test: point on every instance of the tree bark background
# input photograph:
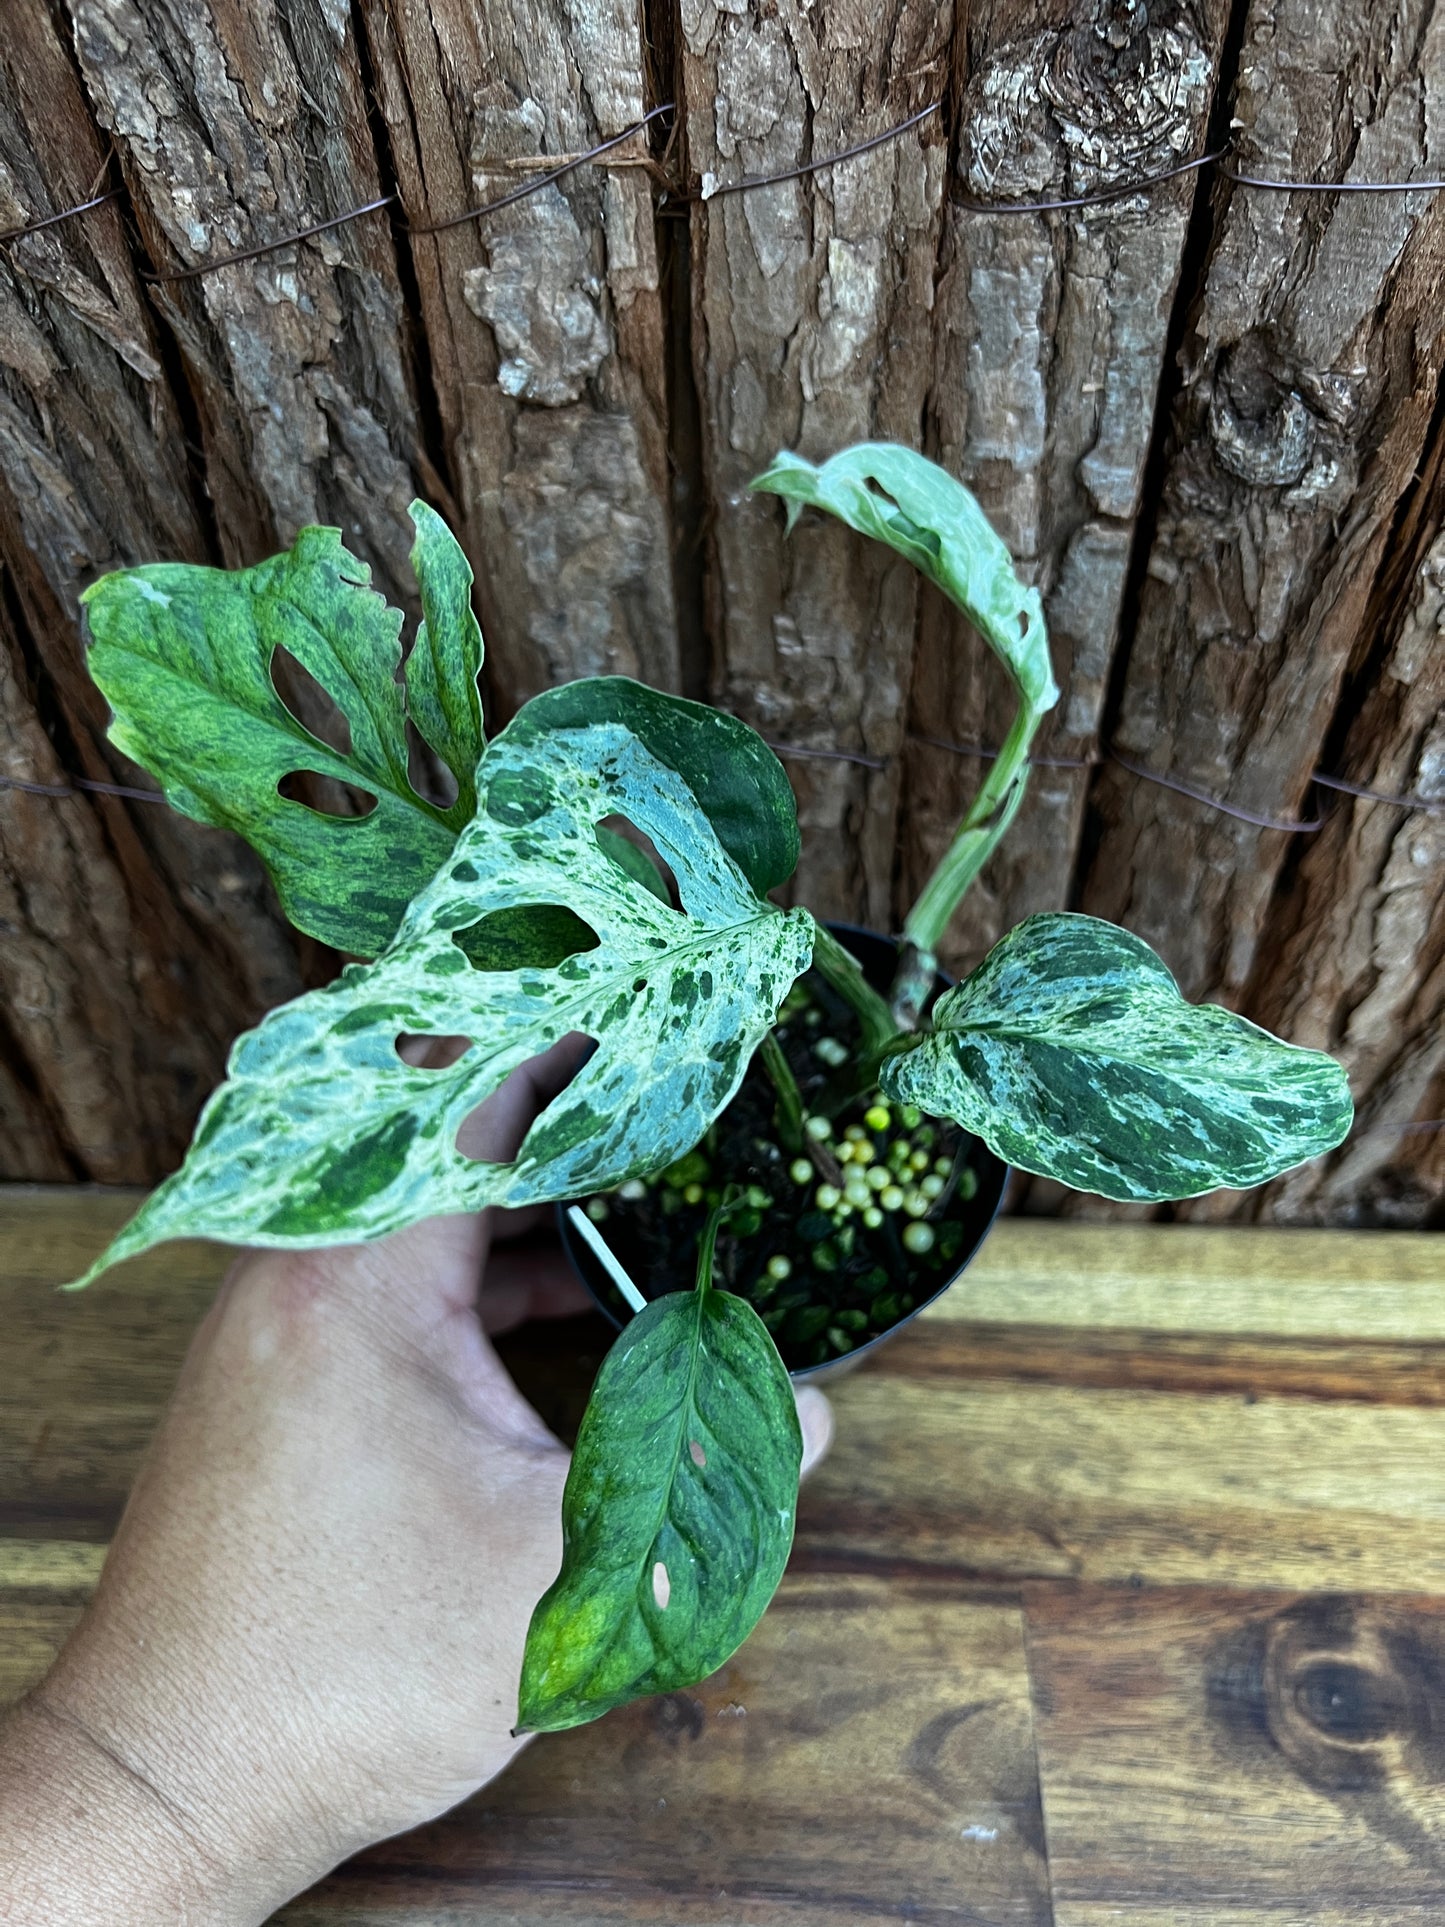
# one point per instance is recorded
(1207, 419)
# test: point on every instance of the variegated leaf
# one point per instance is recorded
(1071, 1053)
(322, 1134)
(887, 491)
(184, 657)
(739, 784)
(678, 1514)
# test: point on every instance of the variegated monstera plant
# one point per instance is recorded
(515, 917)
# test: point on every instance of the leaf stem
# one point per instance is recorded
(843, 971)
(979, 834)
(790, 1113)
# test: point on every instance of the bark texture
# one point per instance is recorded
(1311, 368)
(812, 305)
(132, 944)
(1048, 344)
(544, 324)
(1207, 418)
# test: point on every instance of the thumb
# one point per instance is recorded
(815, 1415)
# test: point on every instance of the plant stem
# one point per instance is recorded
(789, 1116)
(790, 1113)
(974, 842)
(843, 972)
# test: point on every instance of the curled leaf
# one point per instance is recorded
(184, 657)
(901, 498)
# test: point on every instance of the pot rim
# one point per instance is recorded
(994, 1174)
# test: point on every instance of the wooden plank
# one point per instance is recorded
(867, 1757)
(869, 1750)
(544, 324)
(1307, 1284)
(1122, 1401)
(812, 303)
(1013, 1478)
(1304, 1284)
(135, 942)
(1049, 338)
(1228, 1760)
(1305, 417)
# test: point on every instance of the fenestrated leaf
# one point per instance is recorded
(322, 1134)
(887, 491)
(183, 656)
(1071, 1053)
(739, 783)
(678, 1515)
(637, 863)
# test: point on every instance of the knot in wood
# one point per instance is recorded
(1353, 1701)
(1088, 107)
(1261, 428)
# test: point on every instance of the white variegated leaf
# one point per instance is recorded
(321, 1133)
(1071, 1053)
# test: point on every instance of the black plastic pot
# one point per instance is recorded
(878, 957)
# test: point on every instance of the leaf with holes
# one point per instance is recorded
(678, 1515)
(739, 783)
(322, 1134)
(1071, 1053)
(184, 656)
(917, 508)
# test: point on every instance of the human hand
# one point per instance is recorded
(308, 1634)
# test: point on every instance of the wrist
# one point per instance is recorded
(113, 1809)
(85, 1837)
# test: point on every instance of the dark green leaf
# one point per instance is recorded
(738, 782)
(321, 1134)
(183, 655)
(1071, 1053)
(901, 498)
(678, 1514)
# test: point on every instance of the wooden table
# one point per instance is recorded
(1121, 1599)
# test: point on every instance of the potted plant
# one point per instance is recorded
(605, 868)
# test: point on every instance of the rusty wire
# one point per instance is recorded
(53, 220)
(678, 195)
(80, 785)
(1099, 197)
(816, 166)
(1288, 825)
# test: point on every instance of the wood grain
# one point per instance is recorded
(1214, 1760)
(901, 1714)
(1169, 1495)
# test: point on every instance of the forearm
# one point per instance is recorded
(85, 1839)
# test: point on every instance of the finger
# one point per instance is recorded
(451, 1250)
(522, 1222)
(815, 1415)
(538, 1282)
(495, 1130)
